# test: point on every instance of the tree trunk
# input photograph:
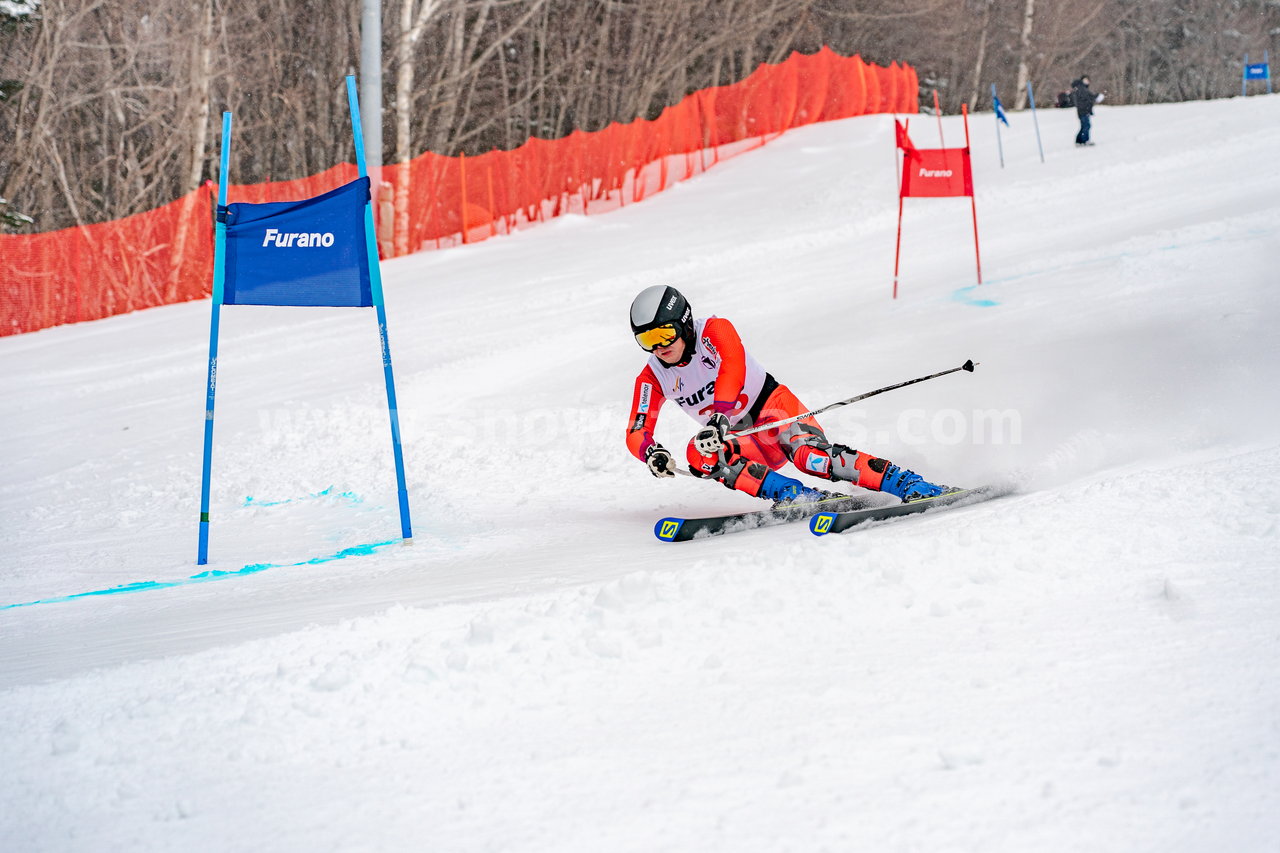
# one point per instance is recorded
(412, 22)
(201, 70)
(982, 55)
(1024, 52)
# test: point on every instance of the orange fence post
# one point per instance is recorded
(493, 219)
(462, 180)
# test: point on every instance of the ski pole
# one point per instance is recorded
(967, 366)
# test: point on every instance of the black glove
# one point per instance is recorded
(710, 439)
(659, 461)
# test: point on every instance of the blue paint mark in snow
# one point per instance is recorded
(211, 575)
(963, 295)
(350, 497)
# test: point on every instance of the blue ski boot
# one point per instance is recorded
(784, 490)
(909, 486)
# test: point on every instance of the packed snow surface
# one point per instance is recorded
(1090, 663)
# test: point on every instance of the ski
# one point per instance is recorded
(838, 521)
(684, 529)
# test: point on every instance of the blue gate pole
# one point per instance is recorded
(1031, 96)
(1244, 77)
(219, 252)
(375, 283)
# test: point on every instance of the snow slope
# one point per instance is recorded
(1090, 663)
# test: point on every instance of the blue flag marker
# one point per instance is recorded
(309, 252)
(1255, 71)
(995, 101)
(317, 251)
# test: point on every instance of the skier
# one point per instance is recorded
(703, 367)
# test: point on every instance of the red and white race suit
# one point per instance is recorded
(721, 376)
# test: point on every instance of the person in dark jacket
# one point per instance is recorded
(1084, 100)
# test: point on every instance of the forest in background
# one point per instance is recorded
(111, 107)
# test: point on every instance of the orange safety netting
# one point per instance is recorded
(166, 255)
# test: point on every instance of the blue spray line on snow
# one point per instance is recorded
(965, 297)
(350, 497)
(204, 577)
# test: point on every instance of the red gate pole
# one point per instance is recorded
(897, 251)
(973, 204)
(899, 165)
(976, 256)
(897, 157)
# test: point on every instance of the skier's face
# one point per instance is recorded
(671, 354)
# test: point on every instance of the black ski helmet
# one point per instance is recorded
(661, 304)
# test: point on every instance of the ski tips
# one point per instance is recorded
(667, 529)
(820, 524)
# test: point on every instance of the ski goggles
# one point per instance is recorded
(659, 336)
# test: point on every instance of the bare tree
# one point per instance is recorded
(109, 107)
(1024, 54)
(980, 60)
(414, 16)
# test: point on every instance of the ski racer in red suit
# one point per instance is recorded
(702, 366)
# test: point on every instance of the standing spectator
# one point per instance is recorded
(1084, 100)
